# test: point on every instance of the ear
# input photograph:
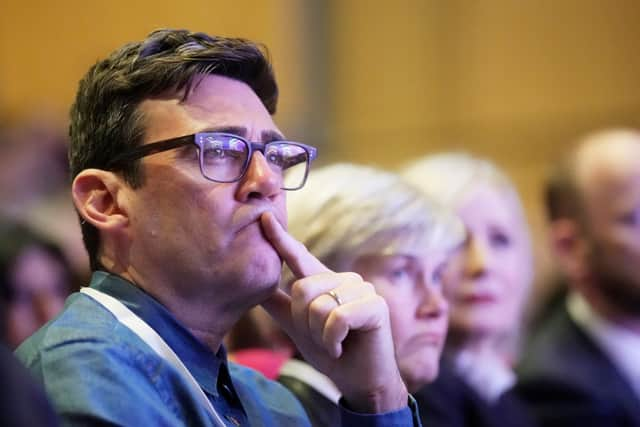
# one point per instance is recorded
(570, 247)
(99, 198)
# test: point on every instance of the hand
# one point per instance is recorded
(351, 343)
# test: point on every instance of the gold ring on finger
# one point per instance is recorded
(335, 297)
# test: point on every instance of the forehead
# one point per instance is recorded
(37, 269)
(488, 205)
(406, 243)
(609, 175)
(215, 101)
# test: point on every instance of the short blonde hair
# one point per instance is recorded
(347, 210)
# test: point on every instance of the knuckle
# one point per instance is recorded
(300, 290)
(379, 302)
(369, 287)
(339, 320)
(317, 306)
(352, 276)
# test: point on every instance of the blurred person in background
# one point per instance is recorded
(582, 367)
(257, 341)
(35, 279)
(486, 288)
(34, 179)
(365, 220)
(34, 162)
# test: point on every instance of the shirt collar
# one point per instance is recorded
(619, 343)
(485, 372)
(203, 364)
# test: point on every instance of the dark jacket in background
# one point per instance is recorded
(567, 380)
(322, 412)
(22, 402)
(450, 402)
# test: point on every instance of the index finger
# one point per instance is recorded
(299, 260)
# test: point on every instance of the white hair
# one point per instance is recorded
(348, 210)
(449, 177)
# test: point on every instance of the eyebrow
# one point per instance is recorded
(266, 135)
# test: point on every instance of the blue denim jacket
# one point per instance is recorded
(98, 372)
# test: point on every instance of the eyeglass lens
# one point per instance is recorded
(225, 158)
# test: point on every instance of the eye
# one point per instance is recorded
(214, 148)
(628, 218)
(285, 155)
(399, 270)
(499, 239)
(398, 274)
(438, 273)
(274, 158)
(219, 150)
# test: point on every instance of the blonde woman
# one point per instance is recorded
(486, 290)
(361, 219)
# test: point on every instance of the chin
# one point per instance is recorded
(263, 271)
(419, 376)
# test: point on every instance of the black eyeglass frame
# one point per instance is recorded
(196, 139)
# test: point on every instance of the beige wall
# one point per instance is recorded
(46, 47)
(481, 73)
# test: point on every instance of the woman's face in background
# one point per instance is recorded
(412, 287)
(40, 283)
(492, 273)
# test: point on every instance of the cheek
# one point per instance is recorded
(402, 314)
(399, 308)
(453, 275)
(624, 244)
(401, 327)
(513, 264)
(211, 208)
(20, 317)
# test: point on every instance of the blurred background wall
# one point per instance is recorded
(368, 81)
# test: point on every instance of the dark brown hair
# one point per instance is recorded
(562, 195)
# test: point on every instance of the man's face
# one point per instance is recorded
(411, 286)
(493, 271)
(612, 226)
(194, 235)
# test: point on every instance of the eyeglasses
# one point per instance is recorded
(225, 157)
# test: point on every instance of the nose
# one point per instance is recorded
(433, 304)
(475, 263)
(260, 181)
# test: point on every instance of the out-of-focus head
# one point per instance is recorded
(35, 279)
(593, 201)
(357, 218)
(488, 285)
